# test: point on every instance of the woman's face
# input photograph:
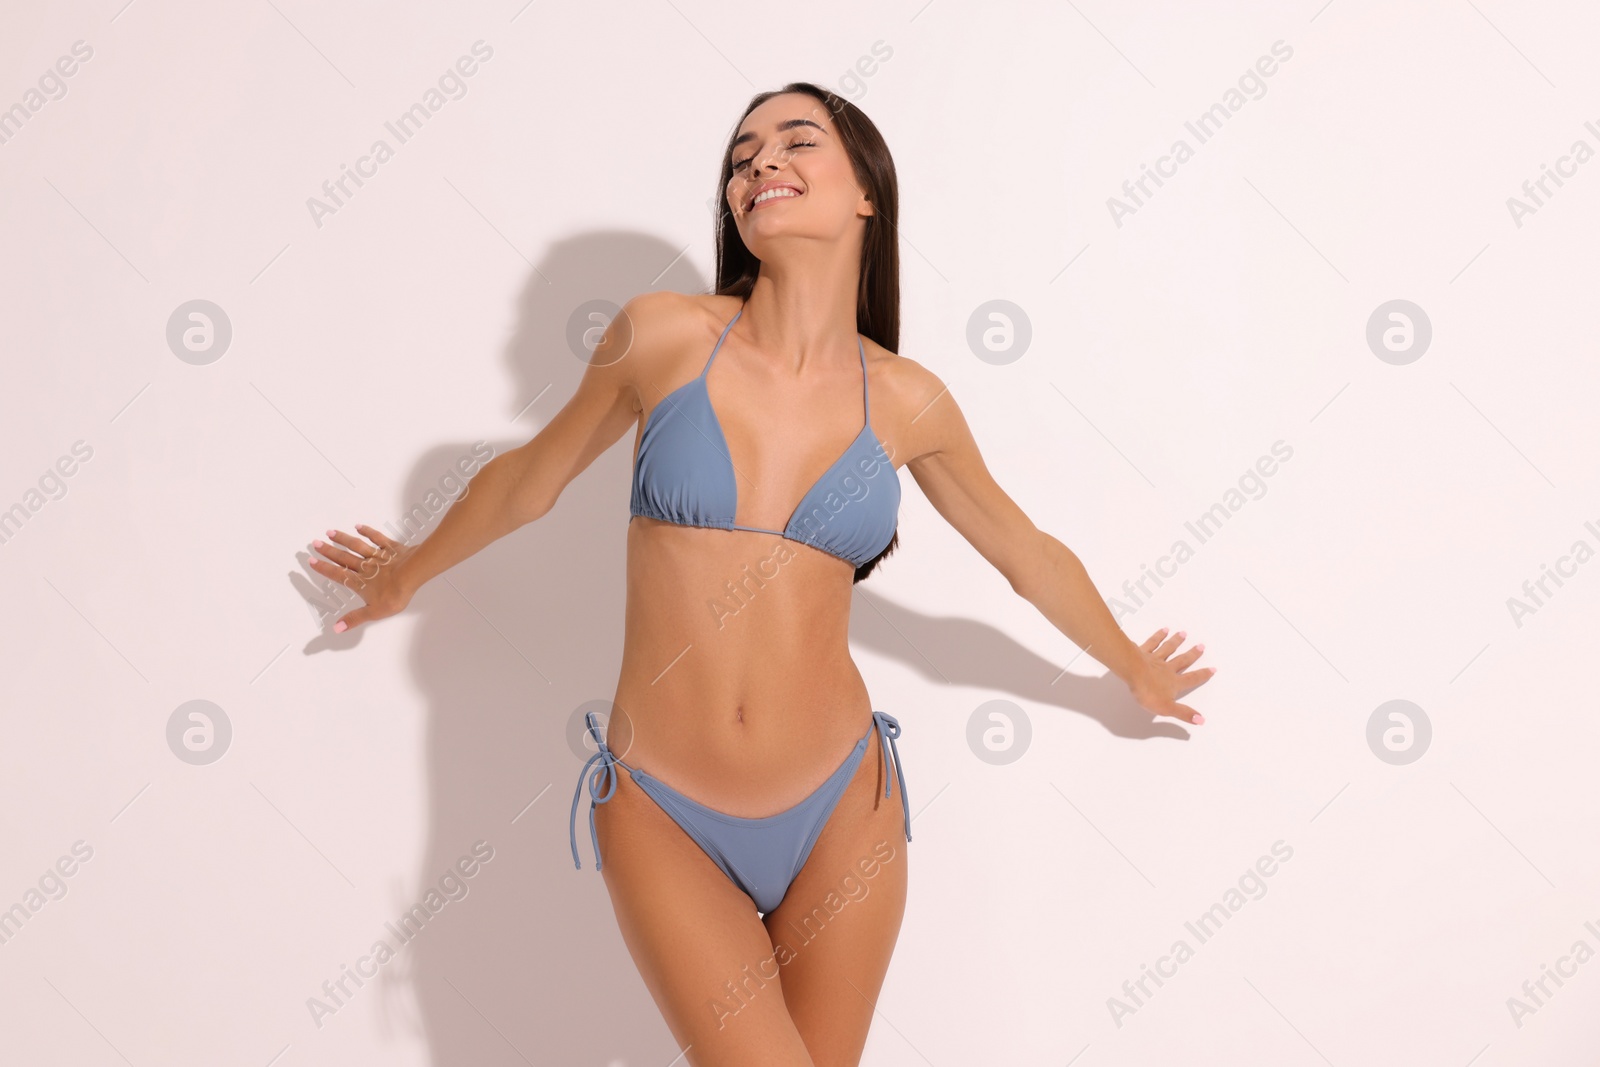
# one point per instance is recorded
(789, 143)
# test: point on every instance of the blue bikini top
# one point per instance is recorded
(684, 475)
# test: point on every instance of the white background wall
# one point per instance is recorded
(1169, 353)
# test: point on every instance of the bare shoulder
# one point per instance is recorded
(909, 401)
(653, 324)
(663, 318)
(658, 333)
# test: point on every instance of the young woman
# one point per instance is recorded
(771, 419)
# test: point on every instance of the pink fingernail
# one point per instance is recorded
(1199, 720)
(318, 544)
(330, 533)
(1199, 648)
(339, 627)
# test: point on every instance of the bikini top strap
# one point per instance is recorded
(866, 407)
(718, 345)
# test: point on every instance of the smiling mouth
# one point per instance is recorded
(767, 197)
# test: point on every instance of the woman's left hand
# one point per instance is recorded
(1165, 677)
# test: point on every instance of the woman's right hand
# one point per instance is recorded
(370, 567)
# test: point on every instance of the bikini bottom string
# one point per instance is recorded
(888, 732)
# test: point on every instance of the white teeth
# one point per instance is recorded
(770, 193)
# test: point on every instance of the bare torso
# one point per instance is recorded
(737, 686)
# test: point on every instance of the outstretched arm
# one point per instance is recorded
(518, 486)
(950, 470)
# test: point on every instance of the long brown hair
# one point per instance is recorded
(878, 289)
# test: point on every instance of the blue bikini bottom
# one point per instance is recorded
(760, 856)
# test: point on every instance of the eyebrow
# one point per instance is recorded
(786, 124)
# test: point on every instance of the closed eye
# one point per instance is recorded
(798, 144)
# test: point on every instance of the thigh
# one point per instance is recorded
(696, 938)
(841, 917)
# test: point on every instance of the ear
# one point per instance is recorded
(864, 207)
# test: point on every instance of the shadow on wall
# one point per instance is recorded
(953, 650)
(511, 646)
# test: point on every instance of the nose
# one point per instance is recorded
(759, 171)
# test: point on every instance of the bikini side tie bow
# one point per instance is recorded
(604, 775)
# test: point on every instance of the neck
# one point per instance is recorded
(803, 307)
